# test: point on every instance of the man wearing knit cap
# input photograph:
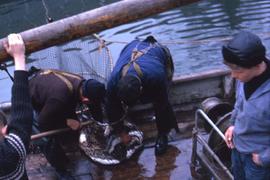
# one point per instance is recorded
(15, 135)
(249, 133)
(143, 73)
(55, 95)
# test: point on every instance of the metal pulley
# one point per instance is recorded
(215, 108)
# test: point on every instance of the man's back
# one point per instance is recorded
(54, 95)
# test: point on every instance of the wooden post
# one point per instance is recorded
(91, 22)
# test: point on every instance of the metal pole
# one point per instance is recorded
(211, 123)
(194, 142)
(212, 153)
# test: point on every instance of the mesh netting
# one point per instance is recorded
(88, 57)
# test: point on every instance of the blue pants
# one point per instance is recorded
(244, 168)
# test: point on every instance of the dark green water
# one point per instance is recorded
(194, 33)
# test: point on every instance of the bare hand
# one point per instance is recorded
(73, 124)
(4, 130)
(229, 137)
(15, 47)
(256, 159)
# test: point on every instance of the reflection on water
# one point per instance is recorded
(194, 33)
(164, 165)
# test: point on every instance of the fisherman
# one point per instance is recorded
(15, 135)
(55, 95)
(249, 133)
(142, 72)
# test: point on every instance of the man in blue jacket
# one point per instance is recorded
(249, 133)
(143, 72)
(15, 135)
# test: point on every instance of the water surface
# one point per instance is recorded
(194, 33)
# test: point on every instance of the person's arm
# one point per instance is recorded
(17, 137)
(21, 110)
(237, 104)
(230, 129)
(15, 145)
(113, 108)
(96, 111)
(229, 137)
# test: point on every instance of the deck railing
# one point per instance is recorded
(198, 138)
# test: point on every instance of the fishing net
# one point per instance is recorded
(88, 57)
(108, 149)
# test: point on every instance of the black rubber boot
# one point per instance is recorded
(161, 145)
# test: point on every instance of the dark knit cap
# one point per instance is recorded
(245, 50)
(129, 89)
(93, 90)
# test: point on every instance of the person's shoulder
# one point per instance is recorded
(132, 43)
(11, 160)
(16, 142)
(12, 149)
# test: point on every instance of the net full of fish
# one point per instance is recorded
(107, 149)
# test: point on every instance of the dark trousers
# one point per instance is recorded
(51, 148)
(165, 118)
(244, 168)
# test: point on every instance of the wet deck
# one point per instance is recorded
(144, 165)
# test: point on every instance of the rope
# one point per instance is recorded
(224, 39)
(178, 42)
(48, 18)
(107, 50)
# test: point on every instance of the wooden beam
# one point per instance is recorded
(91, 22)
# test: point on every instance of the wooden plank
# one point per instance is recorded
(91, 22)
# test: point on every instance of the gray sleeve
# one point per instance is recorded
(238, 103)
(265, 157)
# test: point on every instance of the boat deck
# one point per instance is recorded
(144, 165)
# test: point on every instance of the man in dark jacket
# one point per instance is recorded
(15, 136)
(143, 72)
(249, 133)
(55, 95)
